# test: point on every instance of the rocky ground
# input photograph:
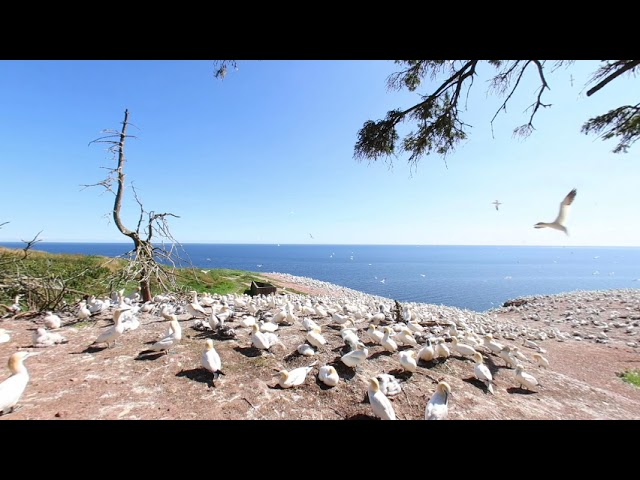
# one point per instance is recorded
(589, 339)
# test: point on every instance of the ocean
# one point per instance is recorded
(470, 277)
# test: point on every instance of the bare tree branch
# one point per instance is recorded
(621, 66)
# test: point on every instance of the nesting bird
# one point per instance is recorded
(438, 405)
(328, 375)
(315, 338)
(408, 360)
(355, 357)
(389, 385)
(295, 377)
(380, 404)
(43, 338)
(12, 388)
(427, 352)
(51, 320)
(263, 340)
(387, 341)
(306, 350)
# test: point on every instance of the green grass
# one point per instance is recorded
(631, 376)
(92, 275)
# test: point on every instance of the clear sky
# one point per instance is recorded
(266, 156)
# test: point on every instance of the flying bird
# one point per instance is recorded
(558, 223)
(311, 236)
(497, 203)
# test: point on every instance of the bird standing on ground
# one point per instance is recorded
(525, 379)
(175, 337)
(438, 405)
(355, 357)
(380, 404)
(12, 388)
(211, 360)
(112, 334)
(559, 222)
(540, 360)
(482, 372)
(408, 360)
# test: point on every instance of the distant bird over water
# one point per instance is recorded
(497, 203)
(558, 223)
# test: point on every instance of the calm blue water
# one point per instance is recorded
(473, 277)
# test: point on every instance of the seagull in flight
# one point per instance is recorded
(311, 235)
(497, 203)
(558, 223)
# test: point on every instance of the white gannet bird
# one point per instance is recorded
(389, 385)
(263, 340)
(491, 344)
(408, 360)
(83, 311)
(308, 324)
(306, 350)
(441, 349)
(43, 338)
(355, 357)
(438, 405)
(405, 337)
(113, 332)
(427, 352)
(375, 335)
(165, 344)
(540, 361)
(350, 338)
(315, 338)
(211, 360)
(328, 375)
(482, 372)
(505, 354)
(380, 404)
(387, 342)
(525, 379)
(267, 326)
(558, 223)
(517, 354)
(295, 377)
(194, 308)
(462, 348)
(51, 320)
(4, 335)
(12, 388)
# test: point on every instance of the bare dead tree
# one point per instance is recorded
(147, 262)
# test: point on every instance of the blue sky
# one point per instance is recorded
(266, 156)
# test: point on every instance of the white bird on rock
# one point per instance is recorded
(389, 385)
(211, 360)
(51, 320)
(408, 360)
(559, 222)
(112, 334)
(380, 404)
(438, 405)
(43, 338)
(525, 379)
(328, 375)
(482, 372)
(175, 337)
(295, 377)
(12, 388)
(540, 361)
(355, 357)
